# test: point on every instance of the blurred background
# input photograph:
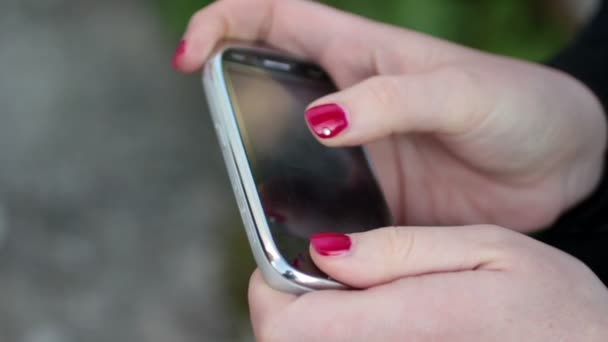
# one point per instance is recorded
(117, 221)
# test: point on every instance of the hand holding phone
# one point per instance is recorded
(288, 186)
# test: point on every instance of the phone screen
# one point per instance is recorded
(304, 187)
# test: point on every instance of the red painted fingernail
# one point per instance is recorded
(327, 120)
(181, 48)
(330, 244)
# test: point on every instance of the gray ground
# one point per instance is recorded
(112, 190)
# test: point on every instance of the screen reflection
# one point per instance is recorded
(304, 187)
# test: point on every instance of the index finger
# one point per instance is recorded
(308, 29)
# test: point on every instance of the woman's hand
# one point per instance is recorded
(457, 136)
(475, 283)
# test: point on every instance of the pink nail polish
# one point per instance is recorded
(181, 48)
(330, 244)
(327, 121)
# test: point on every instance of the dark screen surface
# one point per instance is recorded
(304, 187)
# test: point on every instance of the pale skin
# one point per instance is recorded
(458, 138)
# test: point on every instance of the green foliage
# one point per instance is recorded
(521, 28)
(527, 29)
(177, 12)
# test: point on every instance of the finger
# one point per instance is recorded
(385, 313)
(447, 101)
(335, 39)
(384, 255)
(336, 316)
(264, 301)
(315, 316)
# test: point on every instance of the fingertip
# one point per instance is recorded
(178, 55)
(336, 120)
(256, 299)
(205, 28)
(333, 254)
(256, 285)
(264, 301)
(327, 121)
(260, 293)
(330, 244)
(188, 57)
(256, 294)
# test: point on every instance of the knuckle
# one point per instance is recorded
(503, 244)
(400, 244)
(197, 17)
(201, 17)
(216, 10)
(384, 90)
(492, 230)
(494, 236)
(458, 78)
(462, 96)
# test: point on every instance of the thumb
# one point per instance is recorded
(448, 101)
(376, 257)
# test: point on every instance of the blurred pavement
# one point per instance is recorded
(112, 190)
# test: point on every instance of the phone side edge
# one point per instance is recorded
(279, 275)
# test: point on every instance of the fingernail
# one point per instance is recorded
(330, 244)
(327, 120)
(181, 48)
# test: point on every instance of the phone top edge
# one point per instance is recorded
(278, 63)
(277, 271)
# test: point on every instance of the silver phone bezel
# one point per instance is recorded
(276, 270)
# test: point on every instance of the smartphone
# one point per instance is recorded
(287, 185)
